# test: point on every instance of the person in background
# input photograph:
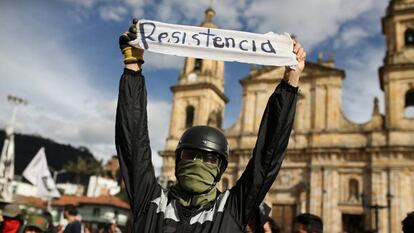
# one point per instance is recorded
(36, 224)
(101, 227)
(74, 225)
(261, 222)
(271, 226)
(113, 227)
(59, 228)
(49, 219)
(11, 219)
(308, 223)
(408, 223)
(87, 228)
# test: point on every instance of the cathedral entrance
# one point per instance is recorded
(284, 216)
(352, 223)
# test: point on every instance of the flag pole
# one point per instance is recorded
(55, 174)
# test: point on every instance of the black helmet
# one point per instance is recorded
(205, 138)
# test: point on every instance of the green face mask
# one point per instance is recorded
(195, 176)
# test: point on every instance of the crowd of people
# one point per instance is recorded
(16, 220)
(308, 223)
(261, 222)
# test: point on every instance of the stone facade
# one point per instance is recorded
(334, 168)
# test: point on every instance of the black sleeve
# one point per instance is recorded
(268, 154)
(132, 141)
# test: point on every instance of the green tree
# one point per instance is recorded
(83, 166)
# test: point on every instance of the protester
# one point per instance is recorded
(271, 226)
(74, 226)
(87, 228)
(259, 219)
(59, 228)
(113, 227)
(308, 223)
(408, 223)
(102, 228)
(261, 222)
(12, 221)
(36, 224)
(49, 219)
(194, 204)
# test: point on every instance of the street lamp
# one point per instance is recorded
(16, 101)
(55, 175)
(376, 208)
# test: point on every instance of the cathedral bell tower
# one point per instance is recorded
(198, 99)
(397, 73)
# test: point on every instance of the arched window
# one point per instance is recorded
(197, 64)
(189, 116)
(353, 190)
(409, 37)
(409, 104)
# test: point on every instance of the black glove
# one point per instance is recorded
(131, 54)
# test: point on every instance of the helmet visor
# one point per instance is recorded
(205, 156)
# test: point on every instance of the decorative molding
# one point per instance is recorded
(191, 87)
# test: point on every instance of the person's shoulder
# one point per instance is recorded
(77, 223)
(73, 226)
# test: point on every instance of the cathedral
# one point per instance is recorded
(356, 177)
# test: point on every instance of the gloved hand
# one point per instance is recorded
(131, 54)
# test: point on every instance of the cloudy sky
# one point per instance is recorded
(63, 57)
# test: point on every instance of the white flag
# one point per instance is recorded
(215, 44)
(37, 172)
(7, 166)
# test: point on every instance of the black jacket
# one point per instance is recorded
(152, 209)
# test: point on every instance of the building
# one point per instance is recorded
(102, 186)
(95, 211)
(349, 174)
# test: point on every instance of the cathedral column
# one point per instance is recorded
(330, 214)
(316, 190)
(378, 197)
(402, 199)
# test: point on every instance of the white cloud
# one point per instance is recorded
(361, 84)
(350, 37)
(158, 122)
(161, 61)
(137, 7)
(115, 13)
(312, 21)
(192, 12)
(83, 3)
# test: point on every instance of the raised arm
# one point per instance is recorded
(271, 144)
(131, 134)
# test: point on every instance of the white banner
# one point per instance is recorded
(215, 44)
(37, 172)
